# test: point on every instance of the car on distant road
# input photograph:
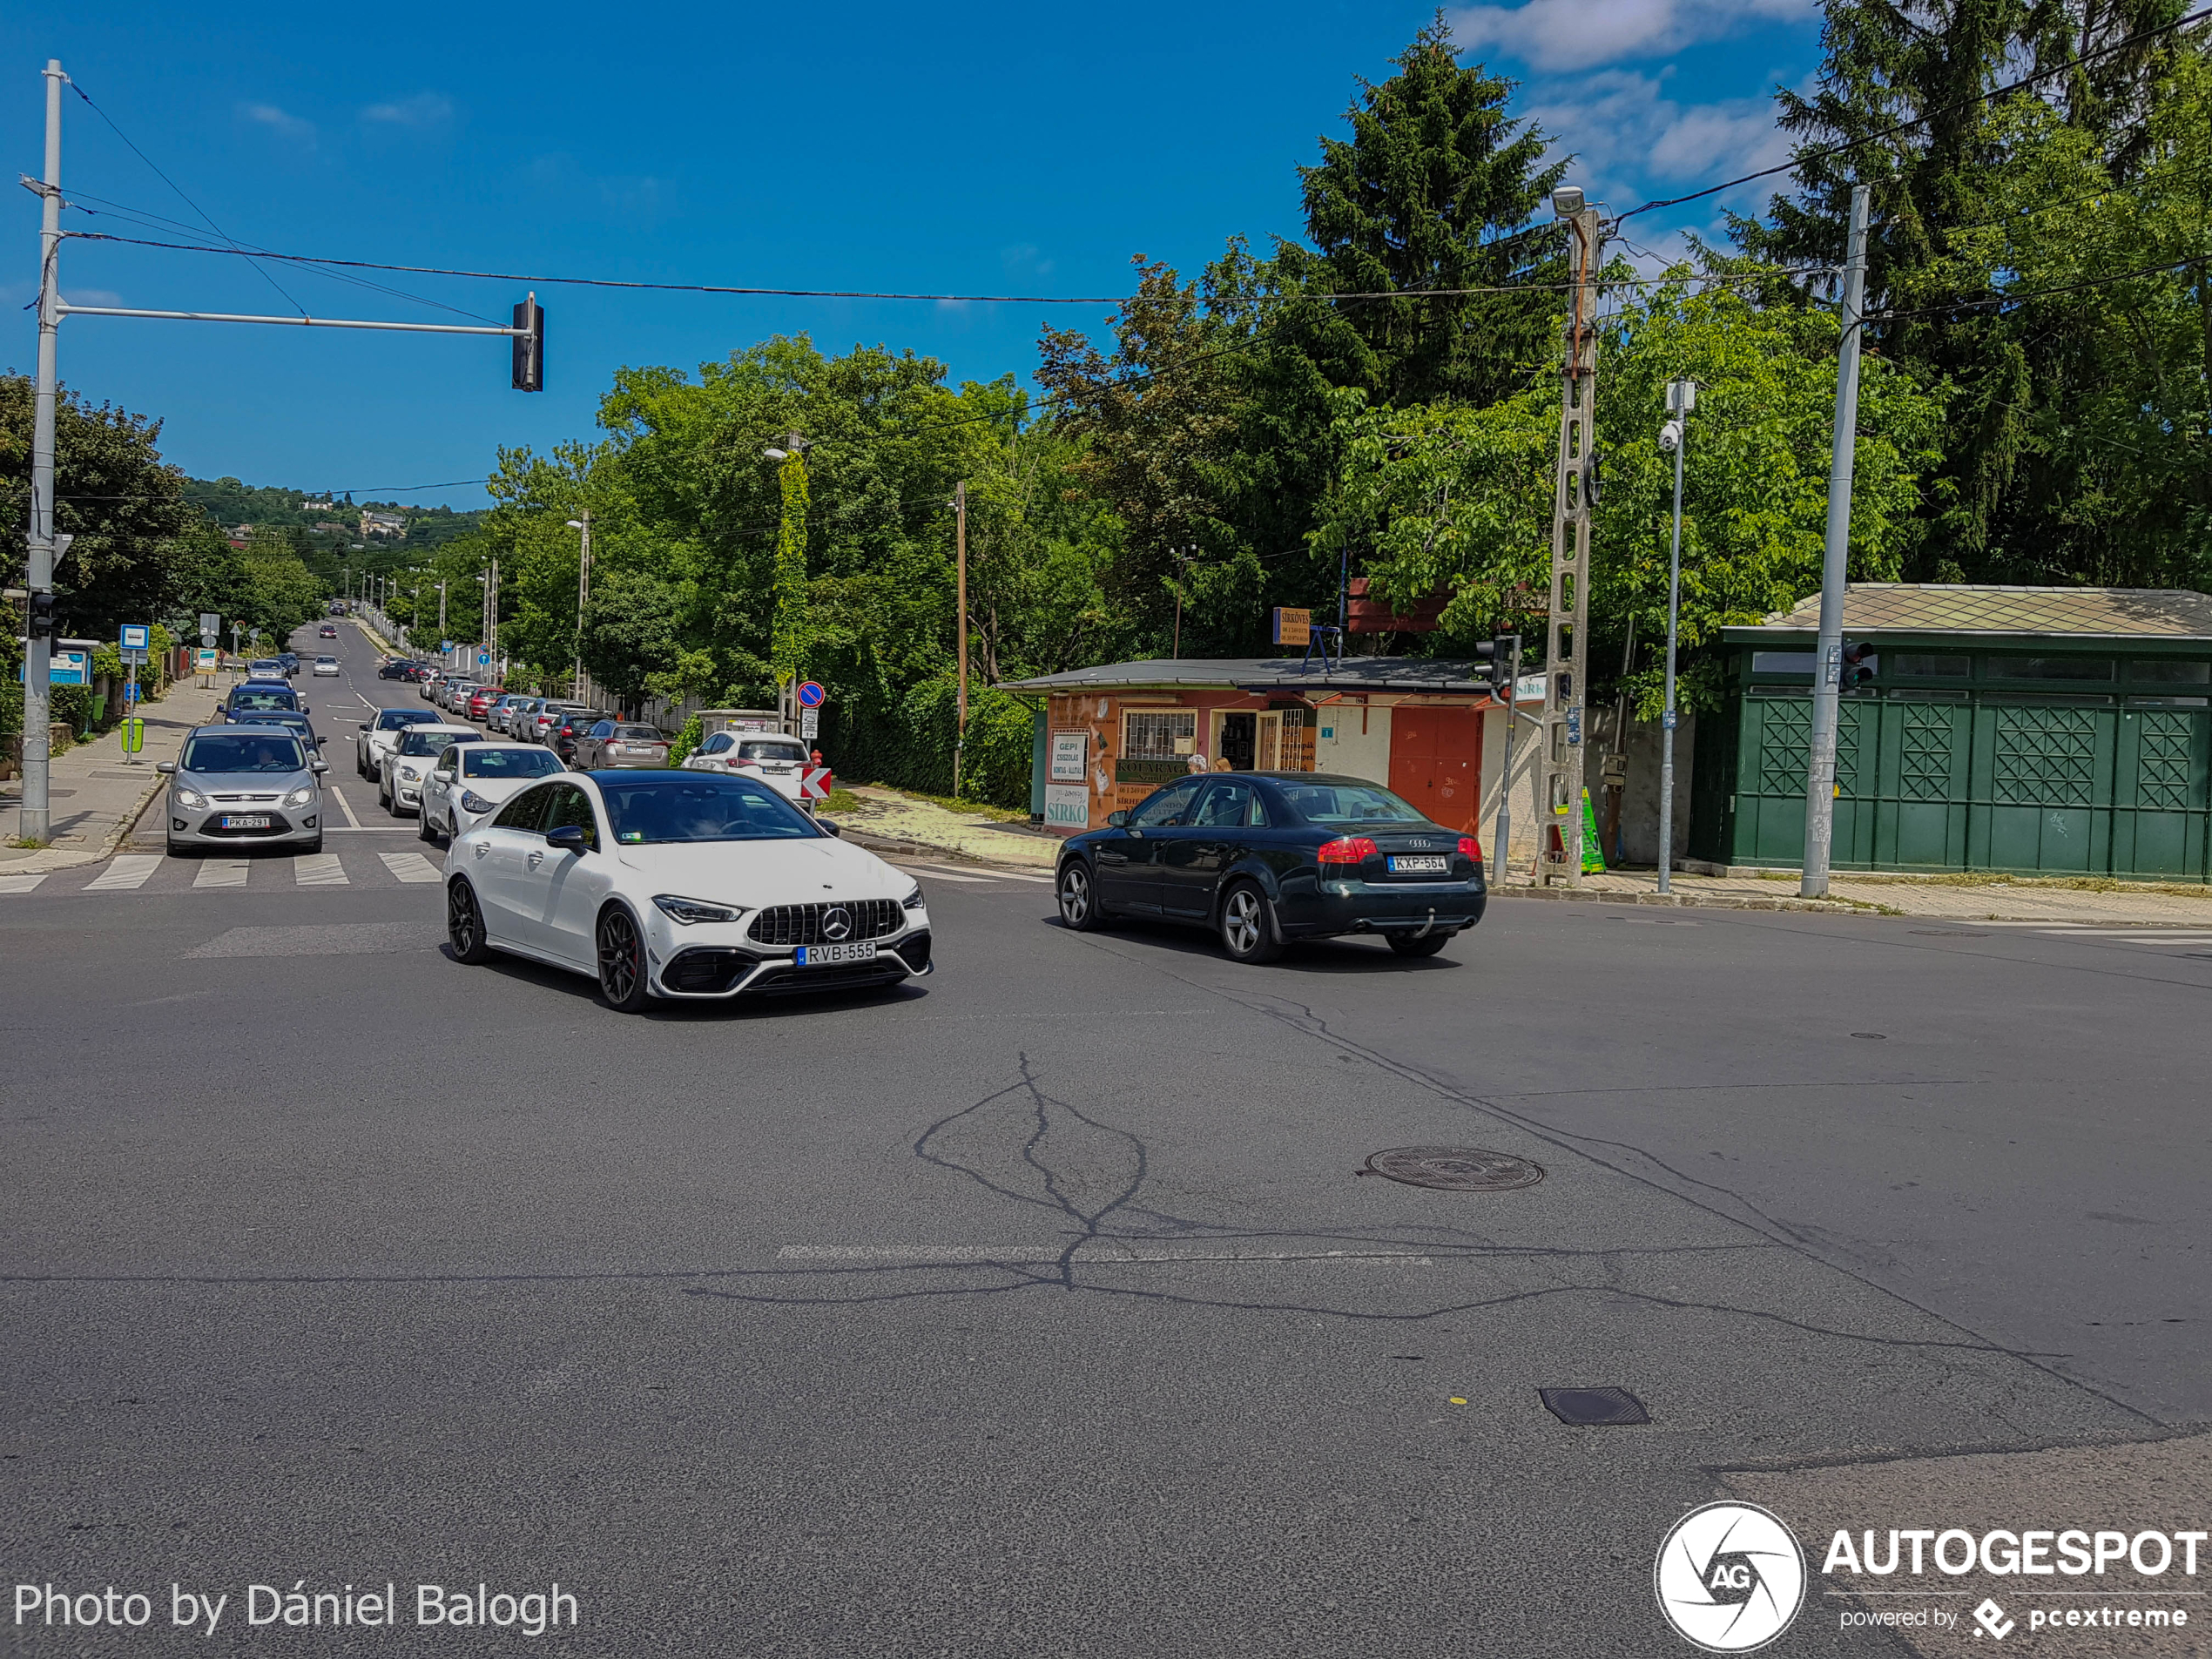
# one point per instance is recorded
(780, 761)
(562, 736)
(265, 668)
(454, 695)
(431, 678)
(392, 668)
(472, 779)
(1263, 859)
(500, 716)
(680, 884)
(261, 694)
(611, 744)
(329, 630)
(399, 787)
(548, 714)
(243, 786)
(380, 731)
(291, 661)
(481, 700)
(327, 665)
(297, 724)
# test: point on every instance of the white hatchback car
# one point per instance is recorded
(680, 884)
(326, 666)
(399, 786)
(779, 762)
(472, 779)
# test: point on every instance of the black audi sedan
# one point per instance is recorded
(1264, 858)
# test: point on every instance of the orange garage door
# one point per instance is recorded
(1436, 763)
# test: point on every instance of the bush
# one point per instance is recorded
(909, 743)
(686, 740)
(71, 704)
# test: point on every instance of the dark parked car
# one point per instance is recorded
(291, 661)
(392, 668)
(1266, 858)
(611, 743)
(562, 736)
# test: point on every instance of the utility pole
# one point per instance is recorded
(582, 524)
(1559, 800)
(1820, 764)
(35, 822)
(442, 612)
(1681, 397)
(959, 540)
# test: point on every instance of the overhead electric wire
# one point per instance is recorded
(2014, 297)
(1797, 162)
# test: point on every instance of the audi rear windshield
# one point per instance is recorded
(1332, 804)
(701, 806)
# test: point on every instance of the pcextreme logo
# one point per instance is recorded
(1730, 1577)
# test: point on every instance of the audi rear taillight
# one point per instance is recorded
(1347, 849)
(1470, 848)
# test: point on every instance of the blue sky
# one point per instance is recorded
(994, 149)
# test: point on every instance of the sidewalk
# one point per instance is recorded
(889, 821)
(93, 797)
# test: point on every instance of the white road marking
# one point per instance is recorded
(935, 874)
(2191, 935)
(411, 866)
(318, 870)
(971, 874)
(1093, 1252)
(345, 807)
(125, 874)
(221, 872)
(20, 883)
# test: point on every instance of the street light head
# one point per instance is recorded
(775, 455)
(575, 524)
(1567, 201)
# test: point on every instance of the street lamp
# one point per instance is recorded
(582, 594)
(787, 634)
(1674, 439)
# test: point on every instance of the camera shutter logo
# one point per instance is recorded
(1730, 1577)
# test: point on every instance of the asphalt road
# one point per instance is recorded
(1041, 1308)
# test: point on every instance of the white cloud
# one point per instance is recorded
(1025, 259)
(90, 297)
(1627, 134)
(1553, 35)
(423, 110)
(299, 131)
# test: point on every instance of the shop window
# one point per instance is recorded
(2051, 668)
(1906, 665)
(2170, 670)
(1782, 662)
(1155, 734)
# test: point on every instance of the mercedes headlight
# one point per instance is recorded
(913, 900)
(301, 796)
(688, 911)
(472, 802)
(190, 799)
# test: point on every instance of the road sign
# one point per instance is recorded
(484, 659)
(211, 622)
(134, 736)
(814, 784)
(445, 644)
(129, 691)
(206, 660)
(136, 636)
(1293, 627)
(811, 694)
(810, 723)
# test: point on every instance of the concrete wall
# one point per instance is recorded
(1353, 738)
(1640, 800)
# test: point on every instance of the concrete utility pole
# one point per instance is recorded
(1559, 806)
(1820, 765)
(1681, 397)
(582, 525)
(959, 540)
(36, 821)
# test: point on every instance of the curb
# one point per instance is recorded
(1691, 900)
(894, 847)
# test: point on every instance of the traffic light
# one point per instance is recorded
(42, 616)
(529, 345)
(1858, 664)
(1500, 653)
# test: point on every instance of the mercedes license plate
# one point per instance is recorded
(246, 821)
(1419, 864)
(825, 955)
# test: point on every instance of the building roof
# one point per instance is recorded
(1263, 673)
(1940, 608)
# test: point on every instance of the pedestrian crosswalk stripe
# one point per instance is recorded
(317, 870)
(221, 872)
(20, 883)
(946, 875)
(409, 866)
(125, 873)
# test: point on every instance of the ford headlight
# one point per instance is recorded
(913, 900)
(688, 911)
(472, 802)
(190, 799)
(301, 796)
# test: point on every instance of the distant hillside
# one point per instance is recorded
(229, 503)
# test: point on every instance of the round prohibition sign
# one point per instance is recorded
(811, 694)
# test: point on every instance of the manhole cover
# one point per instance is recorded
(1594, 1407)
(1455, 1169)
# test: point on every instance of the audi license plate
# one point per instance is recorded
(1419, 864)
(246, 821)
(826, 956)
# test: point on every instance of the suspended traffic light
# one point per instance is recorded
(1858, 664)
(529, 345)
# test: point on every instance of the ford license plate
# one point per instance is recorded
(246, 821)
(825, 955)
(1419, 864)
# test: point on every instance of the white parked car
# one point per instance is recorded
(680, 884)
(781, 762)
(399, 786)
(472, 779)
(327, 665)
(379, 732)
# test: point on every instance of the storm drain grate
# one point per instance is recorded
(1455, 1169)
(1594, 1407)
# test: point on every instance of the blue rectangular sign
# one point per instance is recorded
(137, 635)
(68, 668)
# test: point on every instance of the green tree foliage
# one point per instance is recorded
(631, 630)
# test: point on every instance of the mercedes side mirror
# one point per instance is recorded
(568, 837)
(833, 827)
(1115, 820)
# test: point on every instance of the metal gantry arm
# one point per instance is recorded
(65, 310)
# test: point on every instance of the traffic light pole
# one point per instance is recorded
(1827, 686)
(35, 823)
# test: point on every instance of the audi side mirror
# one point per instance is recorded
(1115, 820)
(568, 837)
